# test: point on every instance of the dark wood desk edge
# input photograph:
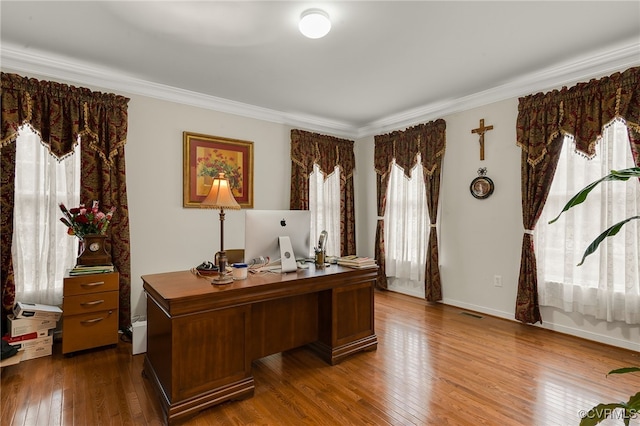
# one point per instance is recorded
(207, 300)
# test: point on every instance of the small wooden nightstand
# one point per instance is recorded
(89, 311)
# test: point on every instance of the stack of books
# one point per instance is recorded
(85, 270)
(357, 262)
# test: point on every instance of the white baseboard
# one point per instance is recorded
(549, 326)
(406, 287)
(591, 336)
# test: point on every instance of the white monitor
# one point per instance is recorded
(263, 227)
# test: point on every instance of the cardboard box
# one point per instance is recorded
(14, 339)
(34, 343)
(12, 360)
(34, 348)
(20, 326)
(36, 310)
(37, 351)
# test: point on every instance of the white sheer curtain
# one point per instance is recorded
(607, 285)
(42, 250)
(406, 228)
(324, 204)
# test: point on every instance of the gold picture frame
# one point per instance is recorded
(205, 156)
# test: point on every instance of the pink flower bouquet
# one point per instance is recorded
(81, 221)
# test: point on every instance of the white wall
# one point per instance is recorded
(164, 235)
(480, 239)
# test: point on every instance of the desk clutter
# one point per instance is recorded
(30, 332)
(264, 264)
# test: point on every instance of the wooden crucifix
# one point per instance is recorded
(481, 130)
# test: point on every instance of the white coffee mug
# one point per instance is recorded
(240, 271)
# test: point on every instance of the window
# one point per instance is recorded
(406, 219)
(42, 250)
(324, 204)
(607, 285)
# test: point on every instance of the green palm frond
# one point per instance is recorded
(580, 197)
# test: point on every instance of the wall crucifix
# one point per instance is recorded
(481, 131)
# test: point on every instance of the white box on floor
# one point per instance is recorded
(20, 326)
(34, 343)
(36, 311)
(37, 351)
(29, 336)
(139, 337)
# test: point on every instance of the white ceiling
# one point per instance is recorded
(384, 65)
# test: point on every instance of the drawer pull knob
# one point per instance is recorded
(92, 321)
(95, 302)
(93, 284)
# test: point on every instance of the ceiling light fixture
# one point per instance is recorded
(314, 23)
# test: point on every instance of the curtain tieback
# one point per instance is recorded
(528, 231)
(432, 225)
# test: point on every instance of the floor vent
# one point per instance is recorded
(469, 314)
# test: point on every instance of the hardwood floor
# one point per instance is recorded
(434, 365)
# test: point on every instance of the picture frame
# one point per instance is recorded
(481, 187)
(204, 156)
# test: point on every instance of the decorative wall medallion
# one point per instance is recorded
(481, 187)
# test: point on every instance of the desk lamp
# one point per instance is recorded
(220, 197)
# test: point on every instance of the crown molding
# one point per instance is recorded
(616, 58)
(55, 67)
(598, 64)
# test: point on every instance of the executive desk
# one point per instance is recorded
(202, 338)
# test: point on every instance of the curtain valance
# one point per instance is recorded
(582, 111)
(61, 113)
(327, 151)
(543, 119)
(426, 139)
(429, 141)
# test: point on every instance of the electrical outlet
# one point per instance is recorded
(497, 280)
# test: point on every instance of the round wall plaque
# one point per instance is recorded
(482, 186)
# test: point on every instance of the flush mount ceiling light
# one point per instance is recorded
(314, 23)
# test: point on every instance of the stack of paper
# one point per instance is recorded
(357, 262)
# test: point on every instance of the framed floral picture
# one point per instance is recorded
(206, 156)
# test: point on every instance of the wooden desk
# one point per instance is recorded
(202, 338)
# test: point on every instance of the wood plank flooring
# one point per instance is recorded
(434, 366)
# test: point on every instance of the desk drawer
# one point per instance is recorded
(89, 330)
(92, 302)
(90, 284)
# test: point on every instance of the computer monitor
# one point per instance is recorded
(263, 227)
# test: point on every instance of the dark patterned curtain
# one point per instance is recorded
(61, 113)
(543, 121)
(429, 141)
(328, 152)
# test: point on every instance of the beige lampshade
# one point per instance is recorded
(220, 196)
